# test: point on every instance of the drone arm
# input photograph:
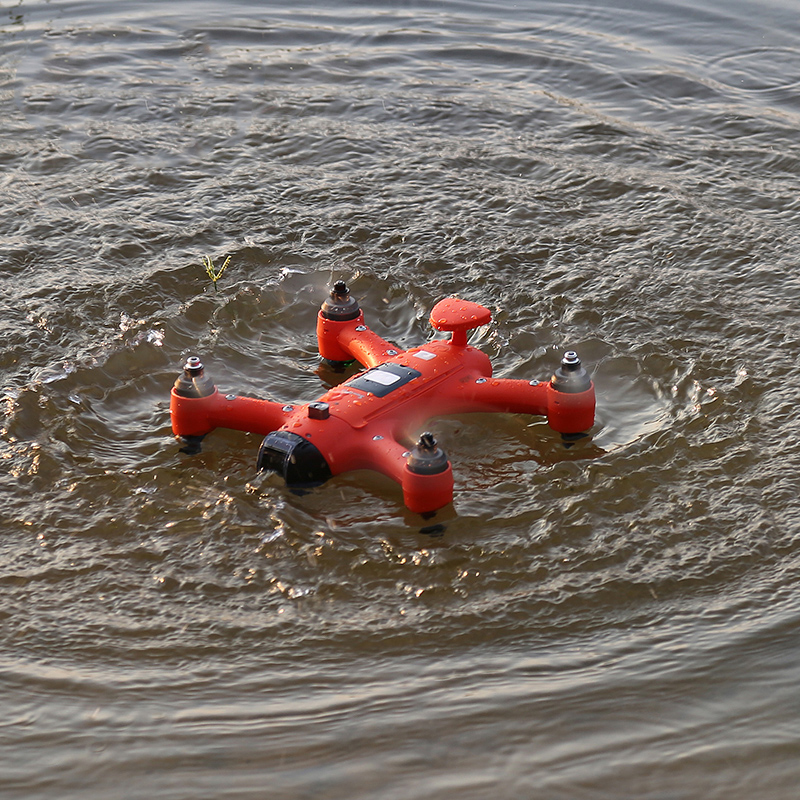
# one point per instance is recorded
(512, 396)
(345, 340)
(566, 412)
(424, 489)
(197, 416)
(366, 346)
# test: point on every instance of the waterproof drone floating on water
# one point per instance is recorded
(365, 422)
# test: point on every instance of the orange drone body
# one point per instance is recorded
(370, 420)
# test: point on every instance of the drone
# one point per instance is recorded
(372, 420)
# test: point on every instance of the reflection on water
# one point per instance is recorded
(611, 618)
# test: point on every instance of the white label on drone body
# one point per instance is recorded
(424, 355)
(383, 377)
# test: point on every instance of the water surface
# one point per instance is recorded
(615, 619)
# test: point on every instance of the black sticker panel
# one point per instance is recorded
(381, 380)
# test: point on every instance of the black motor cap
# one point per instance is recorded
(427, 458)
(193, 382)
(340, 306)
(571, 377)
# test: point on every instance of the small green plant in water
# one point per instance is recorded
(212, 272)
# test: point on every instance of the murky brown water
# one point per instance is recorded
(617, 619)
